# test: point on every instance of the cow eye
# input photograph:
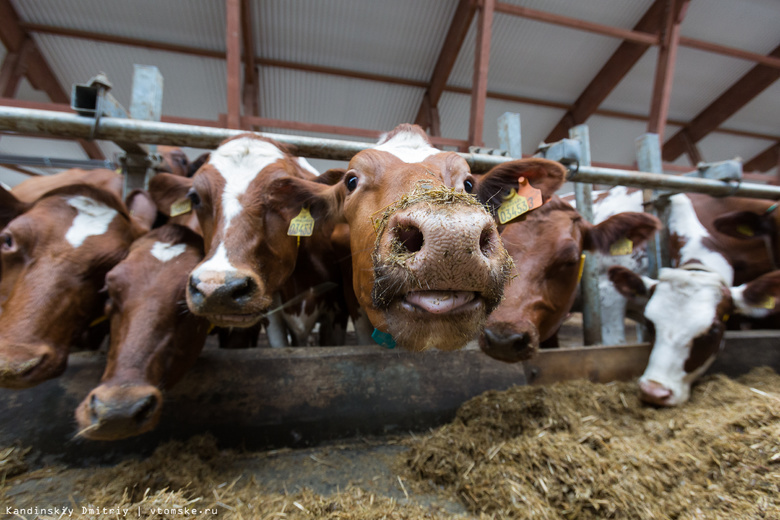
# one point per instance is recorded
(351, 181)
(194, 197)
(468, 186)
(7, 242)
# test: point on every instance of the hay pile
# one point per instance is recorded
(12, 462)
(581, 450)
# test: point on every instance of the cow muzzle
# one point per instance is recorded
(116, 412)
(227, 299)
(24, 366)
(510, 342)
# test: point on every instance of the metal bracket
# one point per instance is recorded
(488, 151)
(726, 171)
(566, 151)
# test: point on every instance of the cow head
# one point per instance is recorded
(428, 263)
(54, 259)
(244, 224)
(154, 337)
(687, 308)
(174, 160)
(548, 252)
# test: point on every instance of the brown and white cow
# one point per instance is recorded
(548, 249)
(32, 188)
(55, 255)
(712, 276)
(428, 263)
(154, 338)
(252, 266)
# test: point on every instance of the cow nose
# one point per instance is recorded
(26, 366)
(228, 288)
(654, 392)
(508, 346)
(111, 413)
(413, 232)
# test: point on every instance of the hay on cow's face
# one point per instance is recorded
(579, 450)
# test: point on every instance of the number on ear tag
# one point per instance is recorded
(180, 207)
(302, 225)
(622, 247)
(519, 201)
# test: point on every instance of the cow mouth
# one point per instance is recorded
(440, 302)
(235, 320)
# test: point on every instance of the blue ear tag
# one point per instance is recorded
(383, 338)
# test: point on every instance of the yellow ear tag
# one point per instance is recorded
(622, 247)
(769, 303)
(519, 201)
(98, 321)
(180, 207)
(302, 225)
(582, 266)
(745, 230)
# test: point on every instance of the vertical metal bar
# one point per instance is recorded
(509, 134)
(648, 157)
(233, 46)
(481, 66)
(145, 105)
(591, 304)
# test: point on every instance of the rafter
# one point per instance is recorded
(233, 58)
(610, 75)
(453, 42)
(251, 88)
(737, 96)
(764, 161)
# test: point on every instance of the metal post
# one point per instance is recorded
(591, 305)
(509, 135)
(145, 105)
(648, 157)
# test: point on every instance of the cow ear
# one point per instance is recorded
(143, 210)
(165, 189)
(637, 227)
(331, 177)
(760, 297)
(743, 224)
(10, 207)
(290, 194)
(195, 165)
(628, 283)
(545, 175)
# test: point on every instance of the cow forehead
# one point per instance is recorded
(684, 302)
(410, 147)
(164, 251)
(92, 218)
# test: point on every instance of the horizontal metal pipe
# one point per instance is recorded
(54, 162)
(49, 123)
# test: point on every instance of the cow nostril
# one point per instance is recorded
(486, 241)
(144, 409)
(410, 238)
(241, 287)
(194, 282)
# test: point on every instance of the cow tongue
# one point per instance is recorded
(439, 302)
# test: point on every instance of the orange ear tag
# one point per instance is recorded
(769, 303)
(519, 201)
(302, 225)
(180, 207)
(622, 247)
(745, 230)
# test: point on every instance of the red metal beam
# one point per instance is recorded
(251, 88)
(664, 71)
(459, 27)
(481, 67)
(737, 96)
(233, 46)
(610, 75)
(14, 67)
(764, 161)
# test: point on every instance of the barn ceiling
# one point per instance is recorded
(351, 64)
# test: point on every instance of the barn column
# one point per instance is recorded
(233, 46)
(481, 66)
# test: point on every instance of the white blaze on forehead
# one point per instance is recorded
(93, 218)
(682, 308)
(163, 251)
(410, 147)
(306, 166)
(217, 263)
(684, 223)
(239, 162)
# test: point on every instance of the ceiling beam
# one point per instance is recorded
(37, 71)
(755, 81)
(610, 75)
(664, 70)
(233, 57)
(14, 67)
(481, 69)
(251, 87)
(764, 161)
(459, 27)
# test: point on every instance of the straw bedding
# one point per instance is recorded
(571, 450)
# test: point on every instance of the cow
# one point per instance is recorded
(427, 261)
(253, 270)
(548, 249)
(31, 189)
(154, 338)
(712, 276)
(55, 255)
